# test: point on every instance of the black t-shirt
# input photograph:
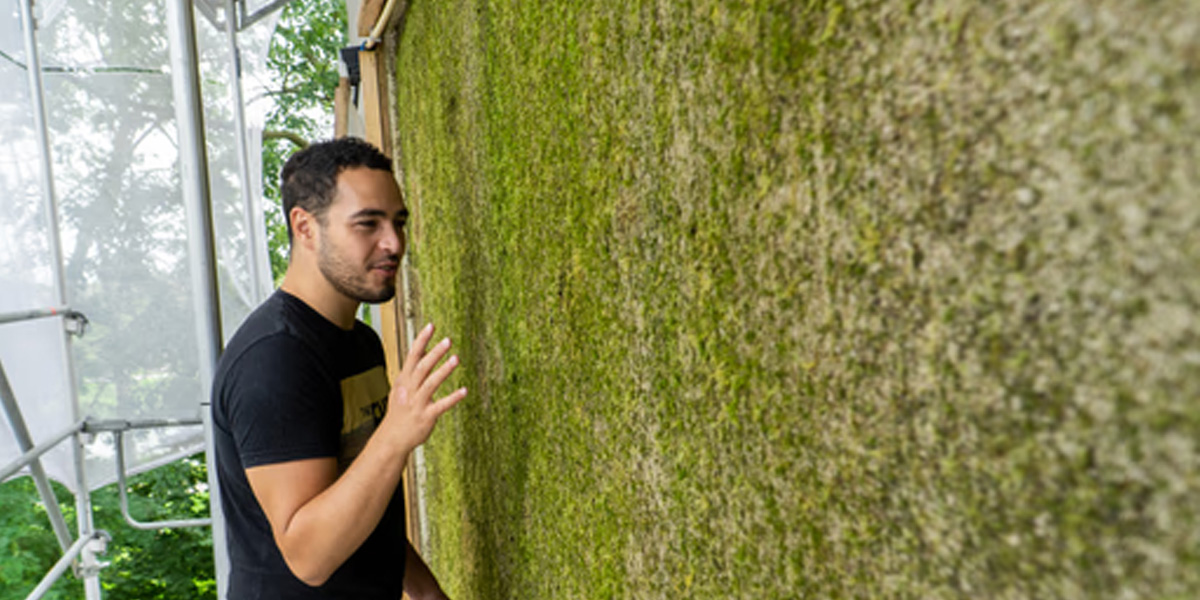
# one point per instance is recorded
(290, 386)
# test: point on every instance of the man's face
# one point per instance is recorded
(362, 235)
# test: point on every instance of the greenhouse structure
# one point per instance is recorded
(132, 240)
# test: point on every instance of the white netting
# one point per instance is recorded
(32, 352)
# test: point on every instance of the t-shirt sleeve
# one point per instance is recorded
(282, 405)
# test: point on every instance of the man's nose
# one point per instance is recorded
(393, 239)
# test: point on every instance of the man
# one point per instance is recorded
(310, 437)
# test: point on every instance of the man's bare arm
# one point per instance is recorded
(319, 519)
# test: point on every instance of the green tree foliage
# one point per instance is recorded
(27, 545)
(162, 564)
(303, 57)
(166, 563)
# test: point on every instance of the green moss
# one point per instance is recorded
(775, 300)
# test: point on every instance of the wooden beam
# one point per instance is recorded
(341, 108)
(373, 97)
(373, 94)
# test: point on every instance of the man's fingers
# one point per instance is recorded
(440, 407)
(435, 379)
(418, 348)
(425, 365)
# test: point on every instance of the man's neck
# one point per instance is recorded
(321, 297)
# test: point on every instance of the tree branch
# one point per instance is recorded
(291, 136)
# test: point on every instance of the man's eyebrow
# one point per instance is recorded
(375, 212)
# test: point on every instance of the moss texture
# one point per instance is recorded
(811, 299)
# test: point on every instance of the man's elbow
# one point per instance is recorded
(310, 576)
(307, 571)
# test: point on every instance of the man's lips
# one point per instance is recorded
(386, 267)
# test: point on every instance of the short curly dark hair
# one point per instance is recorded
(309, 179)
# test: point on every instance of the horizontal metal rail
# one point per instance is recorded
(37, 313)
(136, 524)
(102, 425)
(76, 323)
(60, 567)
(35, 452)
(90, 426)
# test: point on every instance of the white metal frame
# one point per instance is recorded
(81, 551)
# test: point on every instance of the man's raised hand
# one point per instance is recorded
(412, 413)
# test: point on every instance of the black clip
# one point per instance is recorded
(353, 71)
(76, 323)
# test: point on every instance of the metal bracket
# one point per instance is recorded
(87, 565)
(76, 323)
(121, 485)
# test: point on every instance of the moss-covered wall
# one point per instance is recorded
(811, 299)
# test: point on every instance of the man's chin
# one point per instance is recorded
(379, 297)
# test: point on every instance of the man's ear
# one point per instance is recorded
(304, 227)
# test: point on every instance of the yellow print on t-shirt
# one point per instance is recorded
(364, 400)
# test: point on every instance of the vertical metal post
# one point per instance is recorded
(253, 235)
(220, 549)
(46, 173)
(83, 504)
(193, 166)
(89, 567)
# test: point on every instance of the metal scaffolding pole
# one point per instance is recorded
(83, 503)
(89, 566)
(8, 401)
(50, 203)
(193, 166)
(74, 550)
(37, 313)
(33, 453)
(253, 235)
(37, 95)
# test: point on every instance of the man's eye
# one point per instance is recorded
(365, 224)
